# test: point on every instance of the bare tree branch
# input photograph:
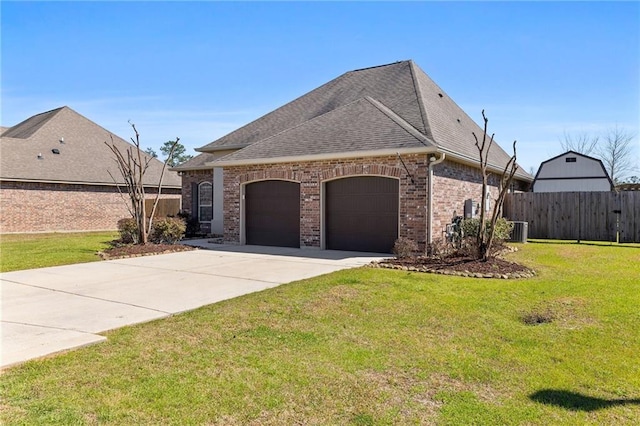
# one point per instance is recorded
(484, 238)
(164, 167)
(132, 165)
(616, 153)
(582, 143)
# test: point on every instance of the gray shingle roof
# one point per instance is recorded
(82, 158)
(391, 85)
(31, 125)
(362, 125)
(198, 162)
(401, 87)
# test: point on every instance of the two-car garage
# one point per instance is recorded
(360, 213)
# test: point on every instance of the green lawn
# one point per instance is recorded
(26, 251)
(369, 347)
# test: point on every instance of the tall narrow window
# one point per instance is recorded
(205, 202)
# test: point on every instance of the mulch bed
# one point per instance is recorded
(137, 250)
(459, 266)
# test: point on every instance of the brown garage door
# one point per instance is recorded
(272, 213)
(361, 214)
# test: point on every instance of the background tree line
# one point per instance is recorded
(175, 157)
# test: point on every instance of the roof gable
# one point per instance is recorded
(390, 84)
(559, 168)
(80, 155)
(362, 125)
(587, 166)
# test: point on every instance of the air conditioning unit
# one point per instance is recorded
(519, 232)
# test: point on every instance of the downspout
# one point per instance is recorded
(432, 162)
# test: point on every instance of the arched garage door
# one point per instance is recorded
(272, 213)
(361, 214)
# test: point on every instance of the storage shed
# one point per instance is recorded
(572, 172)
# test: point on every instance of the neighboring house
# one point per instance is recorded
(373, 155)
(572, 172)
(628, 187)
(57, 174)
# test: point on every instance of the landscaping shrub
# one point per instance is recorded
(193, 225)
(168, 230)
(405, 247)
(470, 228)
(128, 229)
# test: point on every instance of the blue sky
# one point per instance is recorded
(199, 70)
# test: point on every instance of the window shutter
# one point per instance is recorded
(194, 200)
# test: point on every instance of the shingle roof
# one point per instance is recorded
(27, 152)
(198, 162)
(401, 87)
(31, 125)
(362, 125)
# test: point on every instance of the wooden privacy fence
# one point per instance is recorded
(593, 216)
(166, 207)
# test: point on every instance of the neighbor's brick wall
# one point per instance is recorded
(188, 178)
(42, 207)
(311, 175)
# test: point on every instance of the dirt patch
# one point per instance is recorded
(566, 312)
(137, 250)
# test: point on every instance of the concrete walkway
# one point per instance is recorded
(49, 310)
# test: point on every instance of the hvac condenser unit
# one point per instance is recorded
(519, 232)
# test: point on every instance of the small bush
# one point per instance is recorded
(128, 229)
(193, 225)
(405, 247)
(471, 227)
(168, 230)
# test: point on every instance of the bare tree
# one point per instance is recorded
(616, 152)
(133, 164)
(582, 143)
(485, 236)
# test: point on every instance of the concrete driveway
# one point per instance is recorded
(49, 310)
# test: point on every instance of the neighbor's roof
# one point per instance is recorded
(401, 94)
(27, 152)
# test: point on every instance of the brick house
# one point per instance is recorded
(56, 175)
(373, 155)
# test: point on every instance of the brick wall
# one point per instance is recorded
(453, 184)
(42, 207)
(188, 178)
(311, 175)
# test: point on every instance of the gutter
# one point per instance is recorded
(432, 162)
(520, 173)
(70, 182)
(320, 157)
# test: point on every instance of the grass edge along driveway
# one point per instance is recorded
(369, 346)
(29, 251)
